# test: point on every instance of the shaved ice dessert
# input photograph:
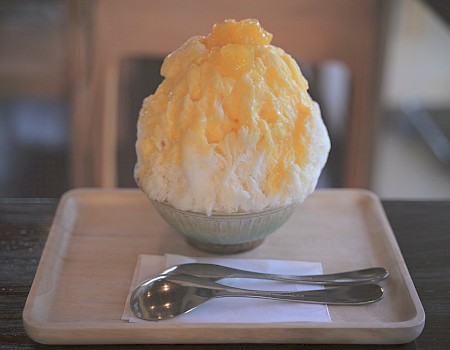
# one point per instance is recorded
(232, 128)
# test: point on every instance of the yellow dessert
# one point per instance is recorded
(232, 127)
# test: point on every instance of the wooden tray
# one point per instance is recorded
(87, 265)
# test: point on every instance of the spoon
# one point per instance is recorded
(216, 272)
(164, 297)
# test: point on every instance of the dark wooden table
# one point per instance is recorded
(422, 229)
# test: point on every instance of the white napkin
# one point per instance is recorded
(238, 310)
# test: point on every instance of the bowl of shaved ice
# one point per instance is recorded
(231, 141)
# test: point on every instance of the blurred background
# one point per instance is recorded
(72, 79)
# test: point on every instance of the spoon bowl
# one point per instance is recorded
(166, 297)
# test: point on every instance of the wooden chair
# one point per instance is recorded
(105, 32)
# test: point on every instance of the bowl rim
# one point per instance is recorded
(269, 210)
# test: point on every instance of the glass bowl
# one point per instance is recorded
(225, 233)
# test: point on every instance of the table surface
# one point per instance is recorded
(422, 229)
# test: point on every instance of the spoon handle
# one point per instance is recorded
(370, 275)
(342, 295)
(215, 272)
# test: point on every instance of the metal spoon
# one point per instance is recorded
(216, 272)
(165, 297)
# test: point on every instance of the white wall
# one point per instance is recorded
(417, 63)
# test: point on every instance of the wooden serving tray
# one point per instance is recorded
(87, 265)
